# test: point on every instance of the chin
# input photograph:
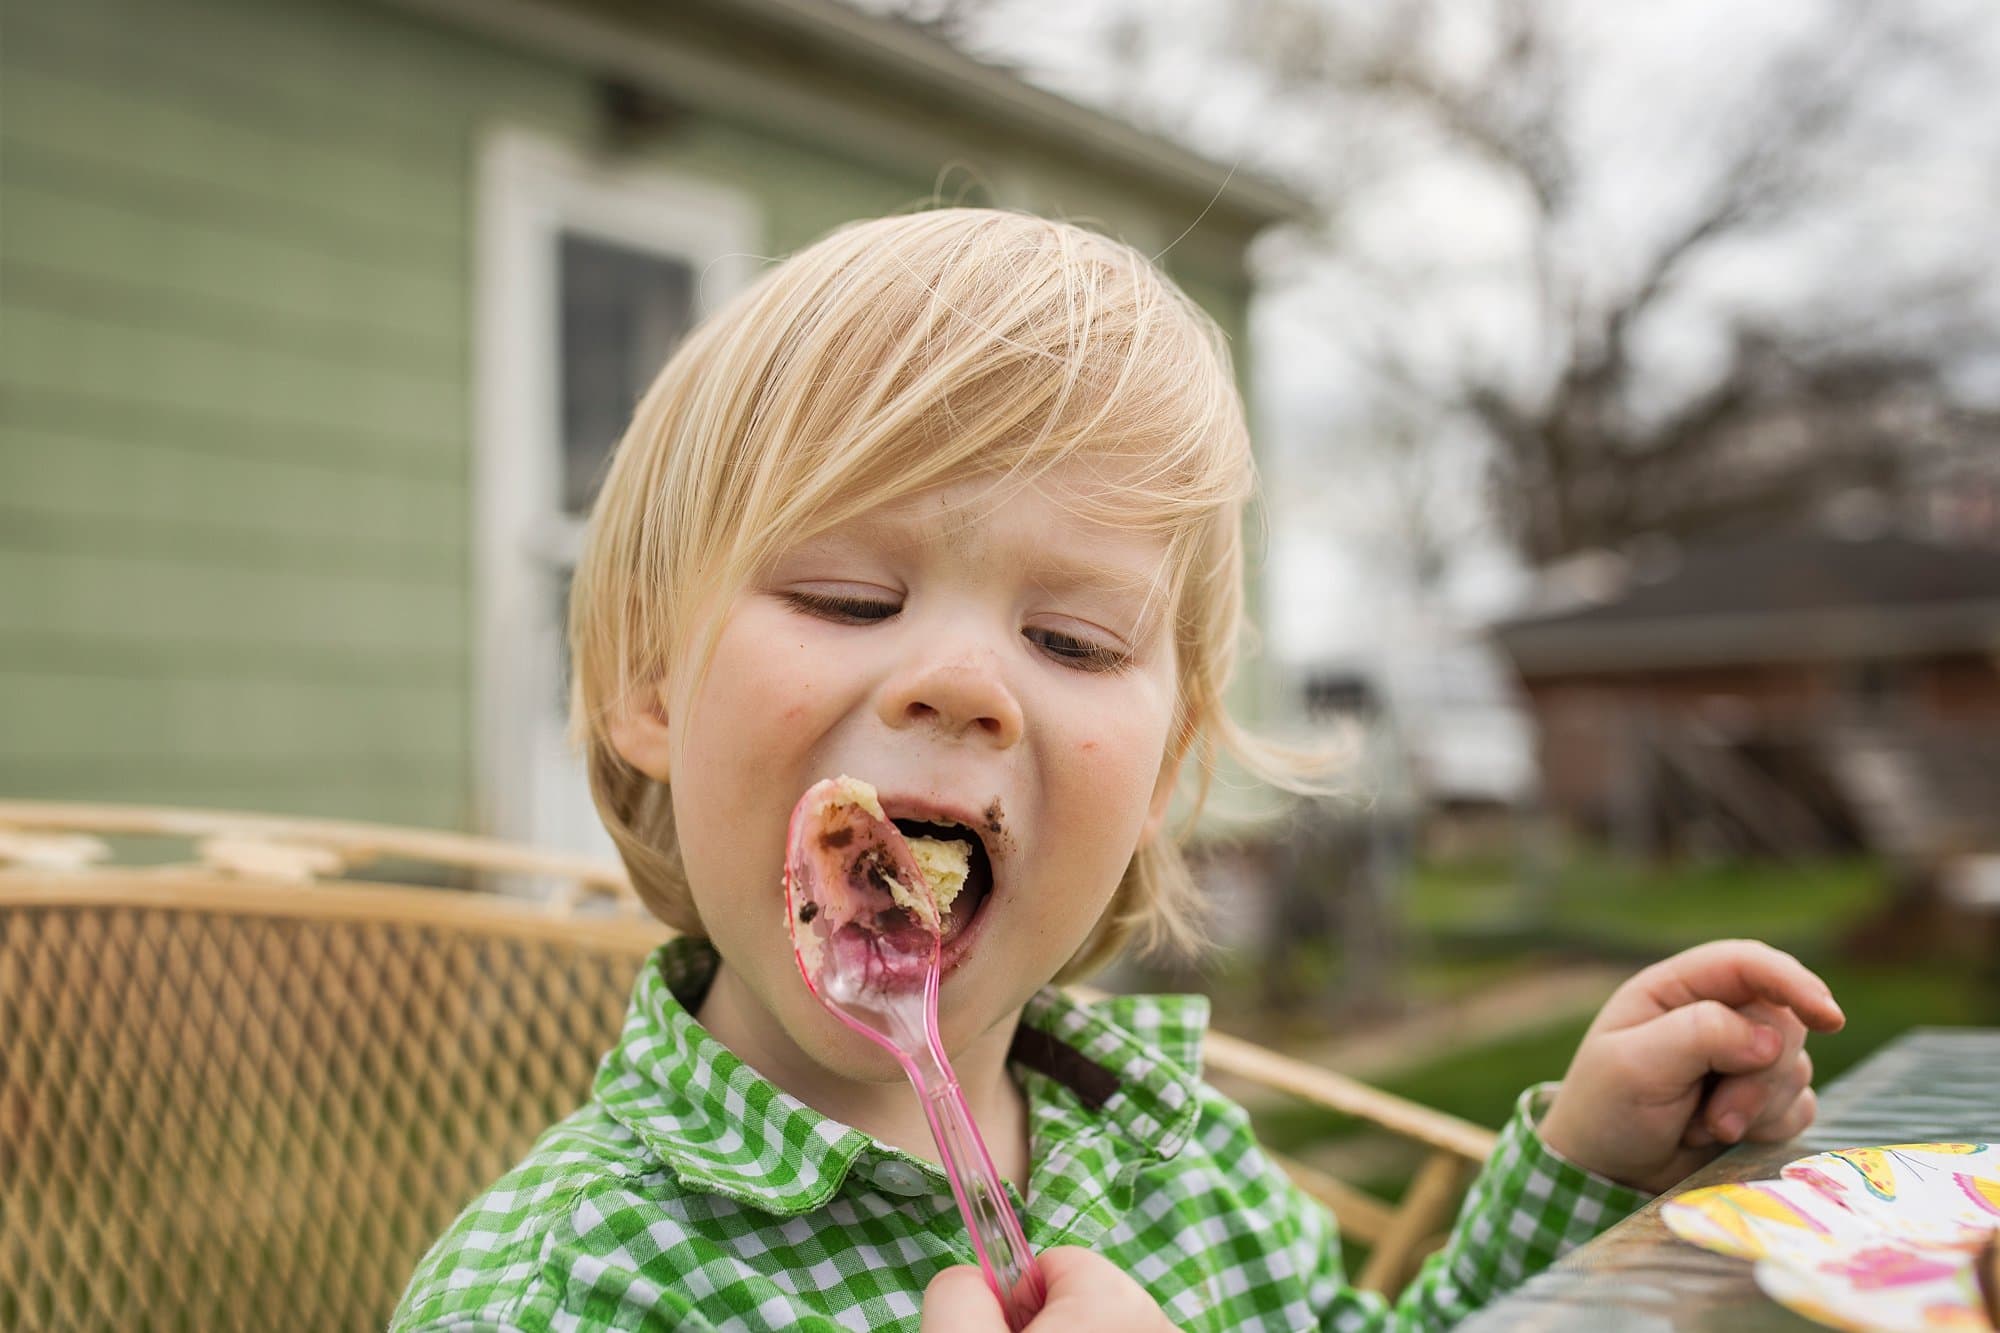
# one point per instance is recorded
(966, 1012)
(973, 1002)
(842, 1051)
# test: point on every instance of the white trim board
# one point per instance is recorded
(531, 189)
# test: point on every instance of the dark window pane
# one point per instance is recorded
(622, 312)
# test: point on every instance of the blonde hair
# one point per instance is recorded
(887, 358)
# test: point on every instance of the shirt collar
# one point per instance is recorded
(1126, 1066)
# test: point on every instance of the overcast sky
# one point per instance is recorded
(1665, 83)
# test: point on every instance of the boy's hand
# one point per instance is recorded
(1087, 1294)
(1631, 1105)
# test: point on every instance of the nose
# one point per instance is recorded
(959, 696)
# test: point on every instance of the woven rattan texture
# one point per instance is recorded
(233, 1121)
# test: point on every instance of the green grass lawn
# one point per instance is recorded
(1469, 916)
(1481, 1082)
(1469, 924)
(1804, 908)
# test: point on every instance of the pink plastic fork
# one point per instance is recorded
(866, 981)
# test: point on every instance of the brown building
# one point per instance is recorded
(1780, 693)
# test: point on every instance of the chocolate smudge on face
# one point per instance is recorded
(995, 823)
(808, 912)
(837, 837)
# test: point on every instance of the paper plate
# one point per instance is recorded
(1864, 1238)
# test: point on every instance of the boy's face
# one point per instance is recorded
(977, 656)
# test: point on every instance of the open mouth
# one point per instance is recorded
(874, 897)
(978, 875)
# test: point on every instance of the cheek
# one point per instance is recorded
(1119, 752)
(733, 714)
(723, 725)
(1110, 770)
(1111, 765)
(732, 746)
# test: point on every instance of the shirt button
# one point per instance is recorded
(894, 1177)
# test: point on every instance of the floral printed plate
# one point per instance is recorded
(1865, 1238)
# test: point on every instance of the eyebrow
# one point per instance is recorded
(1050, 570)
(1064, 574)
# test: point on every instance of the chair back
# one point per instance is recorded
(230, 1100)
(246, 1083)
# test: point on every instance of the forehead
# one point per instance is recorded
(1064, 528)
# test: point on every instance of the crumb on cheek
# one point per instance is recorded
(995, 820)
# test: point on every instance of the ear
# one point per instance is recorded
(1163, 792)
(641, 734)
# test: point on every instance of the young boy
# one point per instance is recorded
(953, 503)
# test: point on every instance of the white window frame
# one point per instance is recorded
(531, 189)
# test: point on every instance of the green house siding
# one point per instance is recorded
(232, 412)
(236, 265)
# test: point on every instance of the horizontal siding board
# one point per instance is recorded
(226, 546)
(111, 655)
(88, 252)
(81, 593)
(161, 189)
(98, 122)
(94, 480)
(290, 68)
(229, 781)
(327, 449)
(420, 797)
(363, 74)
(274, 387)
(51, 717)
(89, 296)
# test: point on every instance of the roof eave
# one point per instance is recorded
(618, 45)
(1697, 641)
(944, 69)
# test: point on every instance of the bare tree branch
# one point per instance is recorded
(1587, 448)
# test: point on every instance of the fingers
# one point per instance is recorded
(1683, 1045)
(1743, 1102)
(1785, 1118)
(1740, 1104)
(1065, 1263)
(1748, 1106)
(1086, 1292)
(958, 1298)
(1759, 1104)
(1797, 1117)
(1734, 972)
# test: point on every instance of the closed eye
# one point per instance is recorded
(1077, 653)
(842, 610)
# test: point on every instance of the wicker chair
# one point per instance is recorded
(252, 1066)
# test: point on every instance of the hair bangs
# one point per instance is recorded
(996, 351)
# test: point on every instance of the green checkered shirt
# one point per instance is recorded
(690, 1193)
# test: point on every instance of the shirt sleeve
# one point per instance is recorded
(1527, 1208)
